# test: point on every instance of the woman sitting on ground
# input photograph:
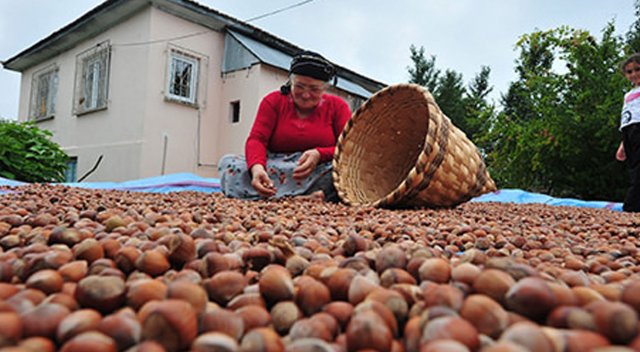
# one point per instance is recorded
(292, 141)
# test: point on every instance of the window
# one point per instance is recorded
(70, 174)
(234, 111)
(92, 79)
(183, 77)
(44, 87)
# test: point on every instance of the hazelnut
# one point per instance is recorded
(391, 256)
(531, 297)
(528, 335)
(453, 328)
(443, 295)
(47, 280)
(254, 317)
(367, 330)
(90, 341)
(569, 317)
(89, 250)
(224, 286)
(393, 276)
(102, 293)
(261, 339)
(310, 344)
(126, 257)
(485, 314)
(223, 321)
(10, 329)
(74, 271)
(615, 320)
(436, 270)
(308, 328)
(190, 292)
(245, 299)
(142, 291)
(43, 320)
(123, 327)
(275, 284)
(76, 323)
(171, 322)
(37, 343)
(284, 314)
(392, 300)
(342, 311)
(214, 341)
(153, 262)
(465, 272)
(360, 288)
(444, 346)
(494, 283)
(631, 295)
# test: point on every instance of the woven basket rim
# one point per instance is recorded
(432, 151)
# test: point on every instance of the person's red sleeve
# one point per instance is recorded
(256, 147)
(341, 116)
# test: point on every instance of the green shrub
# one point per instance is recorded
(28, 154)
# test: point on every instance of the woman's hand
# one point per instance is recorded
(306, 164)
(260, 181)
(620, 154)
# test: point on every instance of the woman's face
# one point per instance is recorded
(632, 72)
(306, 91)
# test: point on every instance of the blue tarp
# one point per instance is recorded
(158, 184)
(191, 182)
(519, 196)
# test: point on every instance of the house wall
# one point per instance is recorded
(180, 137)
(141, 133)
(248, 87)
(116, 133)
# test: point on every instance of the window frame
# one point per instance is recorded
(195, 62)
(93, 62)
(51, 94)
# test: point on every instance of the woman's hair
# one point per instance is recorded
(635, 58)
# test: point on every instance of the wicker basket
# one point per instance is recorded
(399, 150)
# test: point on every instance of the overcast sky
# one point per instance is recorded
(371, 37)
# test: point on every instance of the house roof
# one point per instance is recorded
(266, 47)
(260, 52)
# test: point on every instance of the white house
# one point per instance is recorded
(151, 87)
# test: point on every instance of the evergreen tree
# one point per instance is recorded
(478, 111)
(449, 94)
(424, 70)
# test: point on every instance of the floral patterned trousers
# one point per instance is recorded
(235, 178)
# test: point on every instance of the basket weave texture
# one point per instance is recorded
(399, 150)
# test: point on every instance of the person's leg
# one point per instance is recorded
(631, 140)
(235, 180)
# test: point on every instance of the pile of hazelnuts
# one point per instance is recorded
(106, 270)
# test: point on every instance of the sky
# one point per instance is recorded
(371, 37)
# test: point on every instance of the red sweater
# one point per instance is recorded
(278, 128)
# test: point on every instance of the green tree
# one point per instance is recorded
(424, 70)
(633, 35)
(478, 111)
(468, 110)
(558, 131)
(449, 94)
(28, 154)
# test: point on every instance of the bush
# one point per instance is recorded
(28, 154)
